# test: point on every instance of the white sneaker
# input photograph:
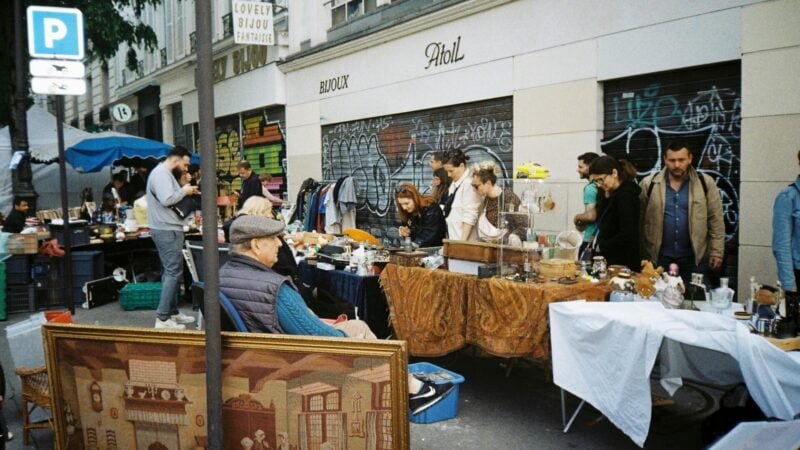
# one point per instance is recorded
(182, 318)
(169, 324)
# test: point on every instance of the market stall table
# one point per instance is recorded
(438, 312)
(362, 291)
(588, 340)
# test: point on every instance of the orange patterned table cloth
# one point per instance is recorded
(438, 312)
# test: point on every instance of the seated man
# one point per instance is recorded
(270, 303)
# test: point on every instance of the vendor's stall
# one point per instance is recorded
(438, 312)
(363, 291)
(588, 340)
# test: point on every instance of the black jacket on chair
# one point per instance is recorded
(618, 227)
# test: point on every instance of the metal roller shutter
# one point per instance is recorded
(381, 152)
(702, 105)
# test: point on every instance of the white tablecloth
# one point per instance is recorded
(604, 353)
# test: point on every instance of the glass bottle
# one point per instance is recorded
(722, 296)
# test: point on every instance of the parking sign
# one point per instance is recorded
(55, 32)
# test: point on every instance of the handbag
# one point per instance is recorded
(183, 209)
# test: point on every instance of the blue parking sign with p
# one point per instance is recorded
(55, 32)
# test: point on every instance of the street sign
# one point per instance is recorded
(55, 68)
(55, 32)
(252, 23)
(58, 86)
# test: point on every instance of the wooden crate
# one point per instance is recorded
(23, 244)
(487, 252)
(471, 251)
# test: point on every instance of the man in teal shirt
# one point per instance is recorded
(585, 221)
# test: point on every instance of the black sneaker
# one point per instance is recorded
(429, 395)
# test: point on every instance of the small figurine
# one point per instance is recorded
(673, 292)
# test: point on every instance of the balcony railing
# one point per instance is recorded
(140, 69)
(163, 55)
(193, 42)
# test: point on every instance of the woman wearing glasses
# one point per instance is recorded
(422, 215)
(495, 201)
(461, 212)
(617, 235)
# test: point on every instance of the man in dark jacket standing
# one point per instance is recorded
(251, 185)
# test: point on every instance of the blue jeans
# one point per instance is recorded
(169, 245)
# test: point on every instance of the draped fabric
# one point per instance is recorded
(438, 312)
(427, 308)
(372, 430)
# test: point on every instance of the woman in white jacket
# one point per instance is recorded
(464, 203)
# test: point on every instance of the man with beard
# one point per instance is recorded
(585, 221)
(164, 191)
(682, 218)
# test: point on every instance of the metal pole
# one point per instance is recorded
(208, 186)
(62, 173)
(21, 179)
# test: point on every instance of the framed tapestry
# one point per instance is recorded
(145, 389)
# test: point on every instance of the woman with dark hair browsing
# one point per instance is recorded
(463, 203)
(423, 217)
(440, 185)
(497, 200)
(617, 236)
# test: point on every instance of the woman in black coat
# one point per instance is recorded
(422, 215)
(617, 235)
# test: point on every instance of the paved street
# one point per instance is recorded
(521, 411)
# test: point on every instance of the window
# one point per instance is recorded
(332, 402)
(169, 30)
(345, 10)
(386, 396)
(315, 403)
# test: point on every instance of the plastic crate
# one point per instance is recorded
(18, 269)
(141, 296)
(88, 264)
(447, 408)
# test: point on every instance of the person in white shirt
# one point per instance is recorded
(461, 212)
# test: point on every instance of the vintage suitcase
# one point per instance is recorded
(102, 291)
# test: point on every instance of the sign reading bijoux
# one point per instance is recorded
(440, 54)
(252, 23)
(334, 84)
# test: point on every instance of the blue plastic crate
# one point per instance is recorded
(447, 408)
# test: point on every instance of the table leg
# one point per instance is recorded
(564, 422)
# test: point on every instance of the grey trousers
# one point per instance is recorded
(169, 245)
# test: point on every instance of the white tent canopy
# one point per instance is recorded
(43, 143)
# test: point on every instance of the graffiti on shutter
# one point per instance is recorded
(701, 105)
(383, 151)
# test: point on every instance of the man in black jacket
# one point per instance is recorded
(15, 221)
(251, 185)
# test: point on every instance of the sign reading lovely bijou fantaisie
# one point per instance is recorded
(252, 23)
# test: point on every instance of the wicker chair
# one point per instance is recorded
(35, 390)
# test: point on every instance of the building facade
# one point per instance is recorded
(370, 87)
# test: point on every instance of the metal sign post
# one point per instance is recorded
(56, 35)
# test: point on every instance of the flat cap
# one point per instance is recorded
(246, 227)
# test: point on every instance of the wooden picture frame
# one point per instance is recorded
(121, 387)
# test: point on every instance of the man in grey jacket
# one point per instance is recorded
(163, 191)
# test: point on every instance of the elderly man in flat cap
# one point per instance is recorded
(270, 303)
